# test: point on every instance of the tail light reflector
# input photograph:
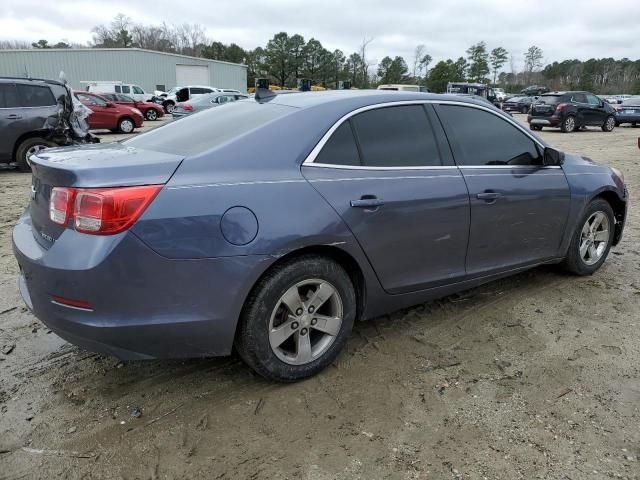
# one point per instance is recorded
(60, 202)
(560, 107)
(101, 211)
(187, 107)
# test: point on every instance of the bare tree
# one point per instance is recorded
(365, 61)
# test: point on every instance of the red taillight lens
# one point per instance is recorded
(187, 107)
(100, 211)
(560, 107)
(60, 203)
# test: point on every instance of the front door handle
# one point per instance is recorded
(13, 116)
(367, 202)
(488, 197)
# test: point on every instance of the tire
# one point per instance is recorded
(279, 357)
(535, 127)
(524, 110)
(568, 125)
(583, 262)
(126, 125)
(168, 107)
(609, 124)
(27, 148)
(151, 114)
(634, 124)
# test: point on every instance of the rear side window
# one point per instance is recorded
(341, 148)
(208, 129)
(482, 138)
(126, 89)
(118, 89)
(91, 99)
(550, 99)
(396, 137)
(8, 95)
(579, 98)
(35, 96)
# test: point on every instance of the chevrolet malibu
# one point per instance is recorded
(271, 225)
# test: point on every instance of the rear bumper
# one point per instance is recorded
(544, 121)
(142, 304)
(628, 118)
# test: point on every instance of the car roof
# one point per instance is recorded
(361, 98)
(27, 80)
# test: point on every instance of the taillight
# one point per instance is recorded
(102, 211)
(187, 107)
(60, 203)
(560, 107)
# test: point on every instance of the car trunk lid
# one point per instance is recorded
(96, 166)
(545, 106)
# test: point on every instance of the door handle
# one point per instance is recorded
(13, 117)
(367, 202)
(488, 197)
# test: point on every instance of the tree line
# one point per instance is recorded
(286, 58)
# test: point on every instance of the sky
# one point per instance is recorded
(563, 29)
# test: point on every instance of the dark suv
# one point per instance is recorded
(37, 114)
(571, 111)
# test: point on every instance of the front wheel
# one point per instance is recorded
(169, 107)
(609, 124)
(592, 239)
(297, 319)
(151, 114)
(524, 110)
(126, 125)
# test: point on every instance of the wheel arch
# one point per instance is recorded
(340, 256)
(45, 134)
(619, 208)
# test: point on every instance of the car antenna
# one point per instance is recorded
(263, 93)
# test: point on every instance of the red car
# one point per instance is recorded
(108, 115)
(150, 110)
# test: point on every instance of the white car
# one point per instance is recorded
(134, 91)
(182, 94)
(500, 95)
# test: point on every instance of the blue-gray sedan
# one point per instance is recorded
(629, 112)
(272, 225)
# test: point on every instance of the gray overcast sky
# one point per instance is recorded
(563, 29)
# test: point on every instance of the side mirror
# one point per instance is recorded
(110, 105)
(552, 157)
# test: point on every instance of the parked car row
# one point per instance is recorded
(204, 102)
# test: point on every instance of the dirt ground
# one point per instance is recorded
(533, 377)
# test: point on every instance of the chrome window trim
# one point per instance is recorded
(309, 161)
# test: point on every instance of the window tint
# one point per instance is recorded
(341, 148)
(396, 137)
(126, 89)
(209, 129)
(593, 100)
(137, 89)
(8, 95)
(483, 138)
(551, 99)
(35, 96)
(200, 91)
(579, 98)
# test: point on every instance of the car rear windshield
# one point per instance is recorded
(203, 131)
(549, 99)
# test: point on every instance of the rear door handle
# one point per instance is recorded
(488, 196)
(373, 202)
(13, 117)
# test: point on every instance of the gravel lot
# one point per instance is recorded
(535, 376)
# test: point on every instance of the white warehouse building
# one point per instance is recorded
(149, 69)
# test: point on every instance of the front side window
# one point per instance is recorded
(593, 100)
(138, 90)
(483, 138)
(125, 98)
(35, 96)
(396, 137)
(341, 148)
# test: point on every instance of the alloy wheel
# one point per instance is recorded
(570, 124)
(152, 114)
(33, 150)
(126, 126)
(611, 123)
(594, 238)
(305, 322)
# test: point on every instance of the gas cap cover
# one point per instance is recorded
(239, 225)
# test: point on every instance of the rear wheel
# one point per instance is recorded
(169, 107)
(568, 125)
(126, 125)
(535, 127)
(297, 319)
(524, 110)
(591, 241)
(151, 114)
(29, 147)
(609, 124)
